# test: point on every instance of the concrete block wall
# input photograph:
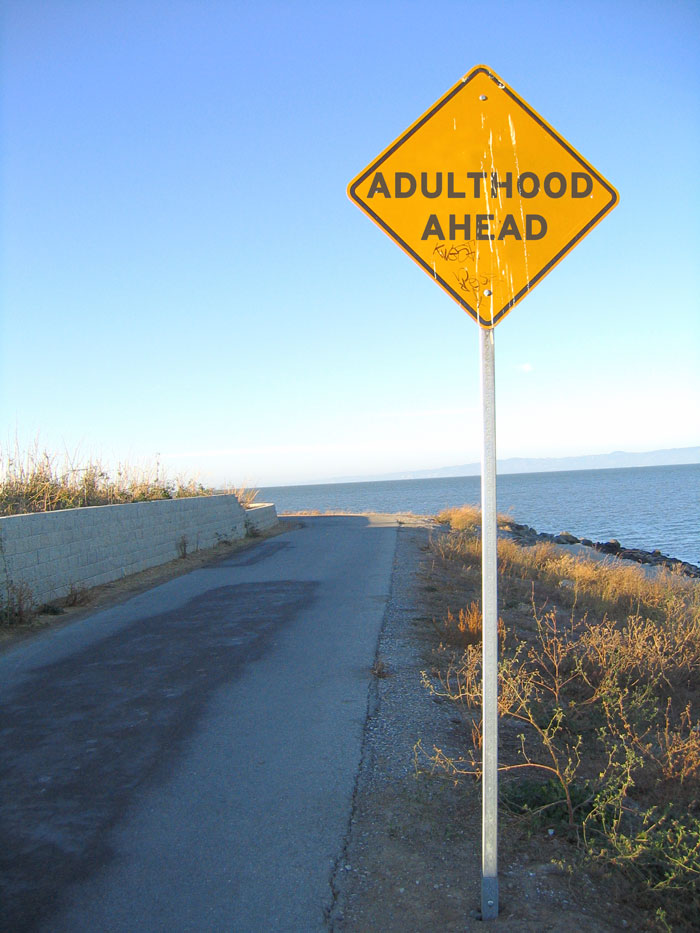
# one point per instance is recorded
(260, 516)
(51, 552)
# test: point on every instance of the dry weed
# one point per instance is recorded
(35, 481)
(604, 688)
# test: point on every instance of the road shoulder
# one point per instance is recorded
(412, 854)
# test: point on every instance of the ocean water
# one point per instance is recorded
(644, 507)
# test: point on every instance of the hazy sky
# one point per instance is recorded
(183, 274)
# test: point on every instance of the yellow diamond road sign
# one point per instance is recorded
(483, 194)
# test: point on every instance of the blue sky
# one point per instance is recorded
(183, 275)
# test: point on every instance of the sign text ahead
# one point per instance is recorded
(484, 195)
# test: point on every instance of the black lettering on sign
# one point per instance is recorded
(509, 228)
(378, 186)
(530, 232)
(528, 185)
(577, 192)
(476, 176)
(482, 227)
(465, 227)
(451, 193)
(496, 184)
(399, 190)
(433, 228)
(437, 190)
(461, 227)
(559, 188)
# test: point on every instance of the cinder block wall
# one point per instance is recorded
(50, 552)
(261, 516)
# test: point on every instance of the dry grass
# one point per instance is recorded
(245, 495)
(461, 518)
(464, 628)
(600, 683)
(37, 481)
(17, 605)
(606, 585)
(466, 518)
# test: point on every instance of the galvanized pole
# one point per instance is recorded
(489, 827)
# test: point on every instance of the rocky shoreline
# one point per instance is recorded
(528, 536)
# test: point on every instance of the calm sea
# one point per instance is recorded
(644, 507)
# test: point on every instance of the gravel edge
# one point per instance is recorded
(399, 712)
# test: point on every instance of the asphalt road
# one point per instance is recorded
(187, 760)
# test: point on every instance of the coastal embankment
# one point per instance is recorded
(527, 536)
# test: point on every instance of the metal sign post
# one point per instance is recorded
(489, 633)
(487, 198)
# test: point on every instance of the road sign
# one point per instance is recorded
(484, 195)
(487, 198)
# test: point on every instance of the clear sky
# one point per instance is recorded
(183, 274)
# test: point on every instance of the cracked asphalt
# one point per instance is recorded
(186, 761)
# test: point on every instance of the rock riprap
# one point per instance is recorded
(528, 536)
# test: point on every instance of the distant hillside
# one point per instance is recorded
(617, 459)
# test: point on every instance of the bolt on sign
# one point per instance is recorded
(484, 195)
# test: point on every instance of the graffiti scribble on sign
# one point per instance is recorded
(453, 253)
(472, 283)
(467, 280)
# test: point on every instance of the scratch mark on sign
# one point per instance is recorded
(522, 213)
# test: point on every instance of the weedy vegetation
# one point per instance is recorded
(37, 481)
(599, 703)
